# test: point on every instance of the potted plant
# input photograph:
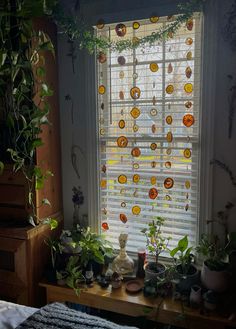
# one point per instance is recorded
(214, 274)
(156, 244)
(186, 272)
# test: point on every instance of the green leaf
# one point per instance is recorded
(41, 72)
(52, 222)
(1, 167)
(37, 142)
(45, 90)
(174, 251)
(183, 243)
(46, 202)
(3, 57)
(30, 198)
(39, 184)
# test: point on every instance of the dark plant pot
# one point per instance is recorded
(217, 281)
(153, 270)
(62, 260)
(186, 281)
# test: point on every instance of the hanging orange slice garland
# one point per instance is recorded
(135, 112)
(153, 193)
(122, 179)
(187, 153)
(120, 30)
(122, 141)
(136, 210)
(135, 152)
(188, 120)
(136, 178)
(135, 92)
(105, 226)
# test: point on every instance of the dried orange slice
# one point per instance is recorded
(120, 30)
(168, 164)
(123, 204)
(121, 95)
(136, 210)
(187, 153)
(169, 119)
(135, 152)
(170, 68)
(122, 141)
(136, 25)
(168, 197)
(187, 184)
(154, 19)
(104, 169)
(122, 179)
(168, 151)
(188, 104)
(100, 24)
(102, 131)
(168, 183)
(123, 218)
(189, 24)
(154, 128)
(135, 112)
(135, 128)
(101, 89)
(154, 67)
(122, 124)
(103, 183)
(121, 75)
(135, 92)
(188, 120)
(136, 166)
(188, 87)
(169, 137)
(189, 55)
(189, 41)
(188, 72)
(136, 178)
(105, 226)
(153, 193)
(153, 146)
(170, 89)
(121, 60)
(153, 180)
(102, 57)
(153, 112)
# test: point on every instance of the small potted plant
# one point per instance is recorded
(186, 272)
(214, 274)
(156, 244)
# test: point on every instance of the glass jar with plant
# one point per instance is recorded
(186, 273)
(214, 274)
(156, 244)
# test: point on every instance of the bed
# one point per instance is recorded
(51, 316)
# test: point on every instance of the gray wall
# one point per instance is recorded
(73, 84)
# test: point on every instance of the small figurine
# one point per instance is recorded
(116, 280)
(123, 264)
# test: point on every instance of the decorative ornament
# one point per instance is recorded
(102, 58)
(135, 152)
(121, 75)
(121, 95)
(168, 151)
(154, 67)
(169, 137)
(120, 30)
(122, 179)
(123, 218)
(135, 128)
(135, 112)
(154, 19)
(170, 89)
(135, 92)
(189, 24)
(123, 204)
(103, 183)
(168, 164)
(189, 56)
(104, 168)
(168, 183)
(187, 153)
(122, 141)
(136, 166)
(153, 164)
(122, 124)
(168, 197)
(188, 72)
(100, 24)
(101, 89)
(188, 87)
(153, 193)
(189, 41)
(105, 226)
(187, 184)
(153, 180)
(136, 178)
(188, 120)
(136, 25)
(170, 68)
(169, 119)
(188, 104)
(153, 112)
(121, 60)
(154, 128)
(153, 146)
(136, 210)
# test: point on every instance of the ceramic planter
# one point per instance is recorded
(186, 281)
(217, 281)
(152, 271)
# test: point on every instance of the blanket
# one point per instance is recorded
(59, 316)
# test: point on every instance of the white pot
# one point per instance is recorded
(217, 281)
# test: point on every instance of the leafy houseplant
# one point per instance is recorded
(187, 273)
(214, 273)
(156, 244)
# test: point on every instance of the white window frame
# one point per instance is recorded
(208, 91)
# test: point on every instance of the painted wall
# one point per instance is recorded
(73, 84)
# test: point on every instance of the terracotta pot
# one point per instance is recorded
(152, 271)
(217, 281)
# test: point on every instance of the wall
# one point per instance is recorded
(222, 148)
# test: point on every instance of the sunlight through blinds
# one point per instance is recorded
(149, 123)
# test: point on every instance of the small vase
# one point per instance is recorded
(195, 296)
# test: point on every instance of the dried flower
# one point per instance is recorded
(77, 198)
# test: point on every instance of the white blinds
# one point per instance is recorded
(148, 105)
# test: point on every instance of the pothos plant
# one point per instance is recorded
(24, 107)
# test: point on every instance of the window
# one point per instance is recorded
(149, 128)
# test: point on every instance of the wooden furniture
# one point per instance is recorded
(23, 253)
(23, 258)
(119, 301)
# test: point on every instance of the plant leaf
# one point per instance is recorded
(1, 167)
